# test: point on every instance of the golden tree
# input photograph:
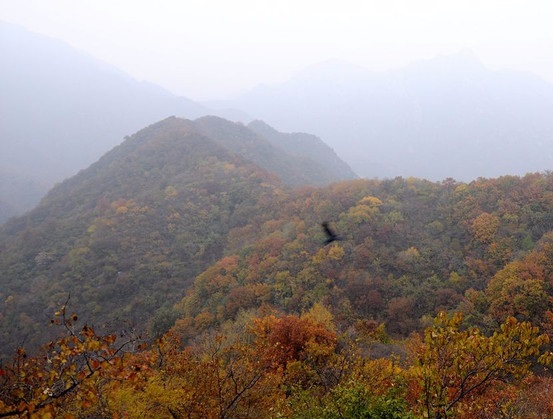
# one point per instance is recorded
(454, 366)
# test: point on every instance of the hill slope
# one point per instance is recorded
(296, 161)
(410, 249)
(127, 235)
(309, 148)
(173, 212)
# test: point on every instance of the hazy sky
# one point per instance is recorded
(210, 49)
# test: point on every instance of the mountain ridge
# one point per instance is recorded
(306, 146)
(446, 117)
(277, 154)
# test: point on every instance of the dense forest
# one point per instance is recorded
(177, 277)
(127, 236)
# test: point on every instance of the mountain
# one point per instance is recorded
(309, 148)
(175, 228)
(298, 159)
(61, 109)
(445, 117)
(409, 249)
(126, 236)
(172, 230)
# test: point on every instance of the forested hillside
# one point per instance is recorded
(283, 325)
(126, 236)
(410, 249)
(174, 235)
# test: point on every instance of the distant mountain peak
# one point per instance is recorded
(310, 148)
(298, 159)
(464, 61)
(445, 117)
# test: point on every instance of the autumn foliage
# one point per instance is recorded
(69, 375)
(284, 366)
(437, 302)
(459, 370)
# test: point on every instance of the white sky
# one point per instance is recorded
(212, 49)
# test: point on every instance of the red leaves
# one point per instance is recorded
(289, 338)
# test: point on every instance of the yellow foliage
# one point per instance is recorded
(485, 227)
(336, 252)
(203, 320)
(361, 213)
(319, 314)
(370, 201)
(379, 375)
(122, 209)
(454, 365)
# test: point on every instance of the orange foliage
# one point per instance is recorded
(290, 338)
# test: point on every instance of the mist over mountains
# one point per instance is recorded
(449, 117)
(445, 117)
(61, 109)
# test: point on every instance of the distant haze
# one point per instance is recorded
(449, 116)
(215, 49)
(398, 88)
